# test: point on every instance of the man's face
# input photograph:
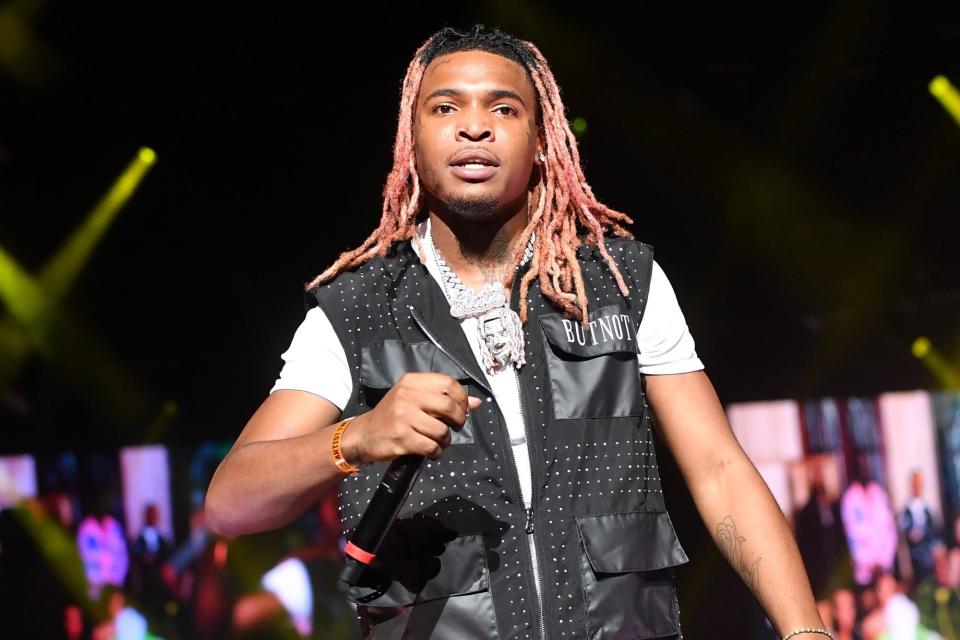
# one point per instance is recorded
(475, 133)
(845, 608)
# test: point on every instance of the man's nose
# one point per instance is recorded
(474, 127)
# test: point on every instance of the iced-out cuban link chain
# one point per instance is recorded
(464, 301)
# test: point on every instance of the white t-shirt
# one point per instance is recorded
(317, 363)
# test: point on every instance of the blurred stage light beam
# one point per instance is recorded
(59, 550)
(25, 326)
(19, 292)
(35, 322)
(947, 95)
(28, 299)
(947, 376)
(59, 273)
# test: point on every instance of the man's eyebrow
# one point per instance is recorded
(449, 93)
(493, 93)
(507, 93)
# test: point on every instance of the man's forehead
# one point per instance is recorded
(479, 68)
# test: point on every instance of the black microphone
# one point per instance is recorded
(379, 515)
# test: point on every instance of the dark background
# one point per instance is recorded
(797, 179)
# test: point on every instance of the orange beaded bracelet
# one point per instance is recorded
(338, 458)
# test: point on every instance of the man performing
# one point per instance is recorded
(493, 322)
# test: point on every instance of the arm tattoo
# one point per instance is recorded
(731, 545)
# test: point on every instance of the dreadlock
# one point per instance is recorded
(560, 208)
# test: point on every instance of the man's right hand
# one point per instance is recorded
(281, 462)
(412, 418)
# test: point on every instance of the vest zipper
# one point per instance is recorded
(531, 514)
(534, 492)
(528, 510)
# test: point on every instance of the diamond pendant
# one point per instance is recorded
(501, 339)
(466, 304)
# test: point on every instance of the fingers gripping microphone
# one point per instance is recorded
(379, 515)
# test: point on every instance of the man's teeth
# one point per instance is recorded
(474, 165)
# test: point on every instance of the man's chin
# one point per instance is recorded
(473, 208)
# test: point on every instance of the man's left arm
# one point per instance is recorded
(733, 500)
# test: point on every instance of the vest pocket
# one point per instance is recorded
(626, 565)
(454, 603)
(593, 371)
(383, 363)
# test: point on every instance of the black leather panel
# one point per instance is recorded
(638, 541)
(383, 363)
(593, 371)
(453, 602)
(626, 565)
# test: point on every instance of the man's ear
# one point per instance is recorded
(541, 156)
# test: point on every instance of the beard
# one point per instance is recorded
(475, 209)
(471, 216)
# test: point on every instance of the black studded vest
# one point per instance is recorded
(457, 563)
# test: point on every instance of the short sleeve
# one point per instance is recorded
(316, 362)
(664, 341)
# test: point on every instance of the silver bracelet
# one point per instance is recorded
(821, 631)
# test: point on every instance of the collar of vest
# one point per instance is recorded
(418, 295)
(415, 294)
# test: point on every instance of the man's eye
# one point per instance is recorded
(505, 110)
(443, 108)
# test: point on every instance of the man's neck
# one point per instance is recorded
(478, 252)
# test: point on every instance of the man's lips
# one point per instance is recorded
(473, 172)
(474, 165)
(475, 155)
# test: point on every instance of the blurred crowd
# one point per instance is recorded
(81, 574)
(85, 577)
(880, 575)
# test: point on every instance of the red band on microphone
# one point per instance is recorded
(358, 554)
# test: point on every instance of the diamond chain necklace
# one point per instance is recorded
(499, 329)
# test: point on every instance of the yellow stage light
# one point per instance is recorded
(147, 155)
(946, 374)
(18, 291)
(946, 93)
(62, 270)
(921, 347)
(32, 303)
